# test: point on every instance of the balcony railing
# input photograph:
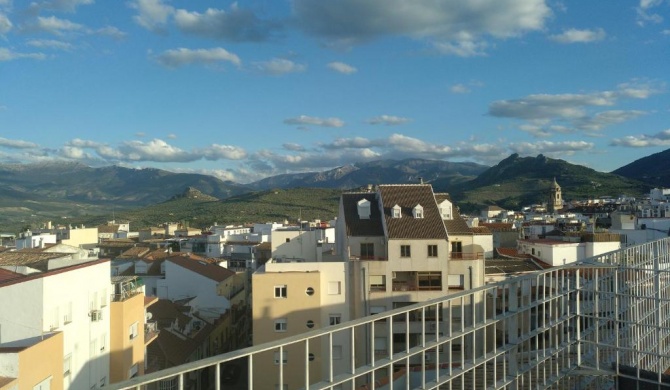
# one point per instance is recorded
(466, 256)
(487, 337)
(399, 286)
(367, 258)
(150, 331)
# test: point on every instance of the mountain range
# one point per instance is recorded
(34, 192)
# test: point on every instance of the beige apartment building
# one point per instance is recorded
(19, 368)
(398, 245)
(131, 329)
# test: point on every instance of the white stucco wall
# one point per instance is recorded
(182, 283)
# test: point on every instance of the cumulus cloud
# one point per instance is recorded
(341, 67)
(574, 35)
(152, 14)
(50, 44)
(54, 25)
(314, 121)
(645, 13)
(61, 5)
(279, 66)
(550, 148)
(9, 55)
(642, 141)
(155, 150)
(459, 26)
(17, 144)
(5, 24)
(111, 31)
(388, 120)
(236, 25)
(459, 88)
(225, 152)
(574, 110)
(293, 147)
(179, 57)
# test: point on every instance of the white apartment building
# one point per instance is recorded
(38, 299)
(298, 243)
(557, 251)
(28, 240)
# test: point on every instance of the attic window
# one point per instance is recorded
(417, 211)
(364, 209)
(395, 211)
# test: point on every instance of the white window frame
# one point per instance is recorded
(284, 357)
(334, 288)
(281, 291)
(396, 212)
(334, 318)
(280, 325)
(133, 330)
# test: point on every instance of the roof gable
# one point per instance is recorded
(408, 196)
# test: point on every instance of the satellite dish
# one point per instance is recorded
(149, 315)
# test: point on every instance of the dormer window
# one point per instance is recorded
(446, 210)
(395, 211)
(418, 211)
(364, 209)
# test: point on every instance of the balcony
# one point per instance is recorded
(466, 256)
(368, 258)
(126, 287)
(150, 331)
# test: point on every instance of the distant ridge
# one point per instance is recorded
(653, 169)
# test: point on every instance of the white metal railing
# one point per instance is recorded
(574, 326)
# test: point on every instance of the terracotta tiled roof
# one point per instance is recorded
(480, 230)
(202, 267)
(134, 252)
(497, 226)
(108, 228)
(407, 196)
(37, 260)
(265, 246)
(357, 227)
(511, 253)
(6, 275)
(457, 224)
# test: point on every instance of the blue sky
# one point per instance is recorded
(245, 90)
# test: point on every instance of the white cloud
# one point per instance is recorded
(111, 31)
(574, 35)
(179, 57)
(574, 109)
(642, 141)
(341, 67)
(459, 26)
(388, 120)
(17, 144)
(155, 150)
(459, 88)
(315, 121)
(293, 147)
(237, 25)
(279, 66)
(550, 148)
(75, 153)
(646, 15)
(219, 152)
(61, 5)
(152, 14)
(50, 44)
(8, 55)
(54, 25)
(5, 24)
(172, 136)
(354, 143)
(463, 48)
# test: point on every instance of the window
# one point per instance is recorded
(396, 211)
(103, 342)
(456, 250)
(67, 363)
(337, 352)
(280, 291)
(288, 240)
(309, 291)
(103, 298)
(132, 330)
(456, 281)
(429, 280)
(67, 317)
(432, 250)
(377, 283)
(310, 324)
(377, 309)
(405, 251)
(334, 288)
(133, 371)
(418, 211)
(335, 318)
(280, 325)
(284, 357)
(367, 251)
(93, 303)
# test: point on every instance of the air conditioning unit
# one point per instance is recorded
(96, 315)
